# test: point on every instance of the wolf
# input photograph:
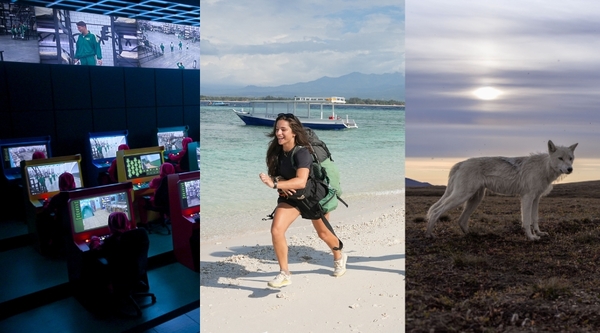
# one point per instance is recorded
(530, 177)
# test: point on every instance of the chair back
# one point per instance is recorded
(161, 195)
(128, 260)
(184, 162)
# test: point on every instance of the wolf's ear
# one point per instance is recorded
(573, 147)
(551, 147)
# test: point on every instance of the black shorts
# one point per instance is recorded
(305, 212)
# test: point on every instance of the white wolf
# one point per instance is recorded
(530, 177)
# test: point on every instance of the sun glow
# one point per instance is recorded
(487, 93)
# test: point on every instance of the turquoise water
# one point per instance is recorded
(370, 159)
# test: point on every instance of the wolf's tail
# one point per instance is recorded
(433, 210)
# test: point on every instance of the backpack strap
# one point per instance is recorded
(328, 225)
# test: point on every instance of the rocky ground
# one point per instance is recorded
(494, 279)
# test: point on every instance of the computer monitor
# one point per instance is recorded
(189, 193)
(92, 212)
(89, 209)
(171, 137)
(104, 146)
(184, 206)
(140, 165)
(41, 176)
(21, 149)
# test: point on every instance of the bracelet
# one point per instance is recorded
(275, 183)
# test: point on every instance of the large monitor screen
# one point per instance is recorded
(171, 140)
(18, 37)
(44, 178)
(144, 165)
(14, 155)
(106, 146)
(92, 213)
(189, 192)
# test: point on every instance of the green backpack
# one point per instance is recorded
(323, 169)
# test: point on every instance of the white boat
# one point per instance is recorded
(323, 116)
(218, 103)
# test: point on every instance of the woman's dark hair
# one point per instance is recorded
(275, 148)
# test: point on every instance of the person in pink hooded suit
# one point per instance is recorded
(112, 169)
(176, 158)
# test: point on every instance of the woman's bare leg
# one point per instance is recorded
(283, 218)
(327, 236)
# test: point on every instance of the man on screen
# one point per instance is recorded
(87, 47)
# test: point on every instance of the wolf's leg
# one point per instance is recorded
(526, 208)
(470, 206)
(436, 206)
(534, 217)
(444, 205)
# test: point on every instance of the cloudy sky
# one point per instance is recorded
(541, 63)
(270, 43)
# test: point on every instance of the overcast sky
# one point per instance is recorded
(541, 57)
(270, 43)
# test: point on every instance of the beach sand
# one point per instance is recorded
(234, 296)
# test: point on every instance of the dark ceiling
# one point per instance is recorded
(186, 12)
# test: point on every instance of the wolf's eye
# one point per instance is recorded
(560, 158)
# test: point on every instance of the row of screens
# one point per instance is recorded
(43, 178)
(106, 146)
(102, 147)
(51, 36)
(92, 213)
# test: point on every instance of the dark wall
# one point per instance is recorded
(68, 102)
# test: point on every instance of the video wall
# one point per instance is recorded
(56, 36)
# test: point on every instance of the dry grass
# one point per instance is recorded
(494, 279)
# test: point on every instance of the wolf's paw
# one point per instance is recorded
(533, 237)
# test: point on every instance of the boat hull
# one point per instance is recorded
(317, 124)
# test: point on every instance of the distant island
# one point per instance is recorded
(351, 100)
(381, 87)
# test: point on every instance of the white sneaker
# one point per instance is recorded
(281, 280)
(339, 266)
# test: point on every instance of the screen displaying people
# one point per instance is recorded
(189, 192)
(107, 146)
(92, 213)
(171, 140)
(14, 155)
(44, 178)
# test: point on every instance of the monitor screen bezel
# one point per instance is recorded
(47, 162)
(78, 201)
(121, 136)
(129, 157)
(182, 190)
(163, 130)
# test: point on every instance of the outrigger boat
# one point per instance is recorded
(264, 112)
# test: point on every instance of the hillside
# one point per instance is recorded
(374, 86)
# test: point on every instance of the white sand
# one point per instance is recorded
(234, 296)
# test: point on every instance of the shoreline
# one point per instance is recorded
(369, 297)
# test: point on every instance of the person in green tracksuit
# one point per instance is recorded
(88, 50)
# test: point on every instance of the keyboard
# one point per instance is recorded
(141, 186)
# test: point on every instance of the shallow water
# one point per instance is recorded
(370, 160)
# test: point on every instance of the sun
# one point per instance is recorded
(487, 93)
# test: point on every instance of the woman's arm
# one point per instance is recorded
(296, 183)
